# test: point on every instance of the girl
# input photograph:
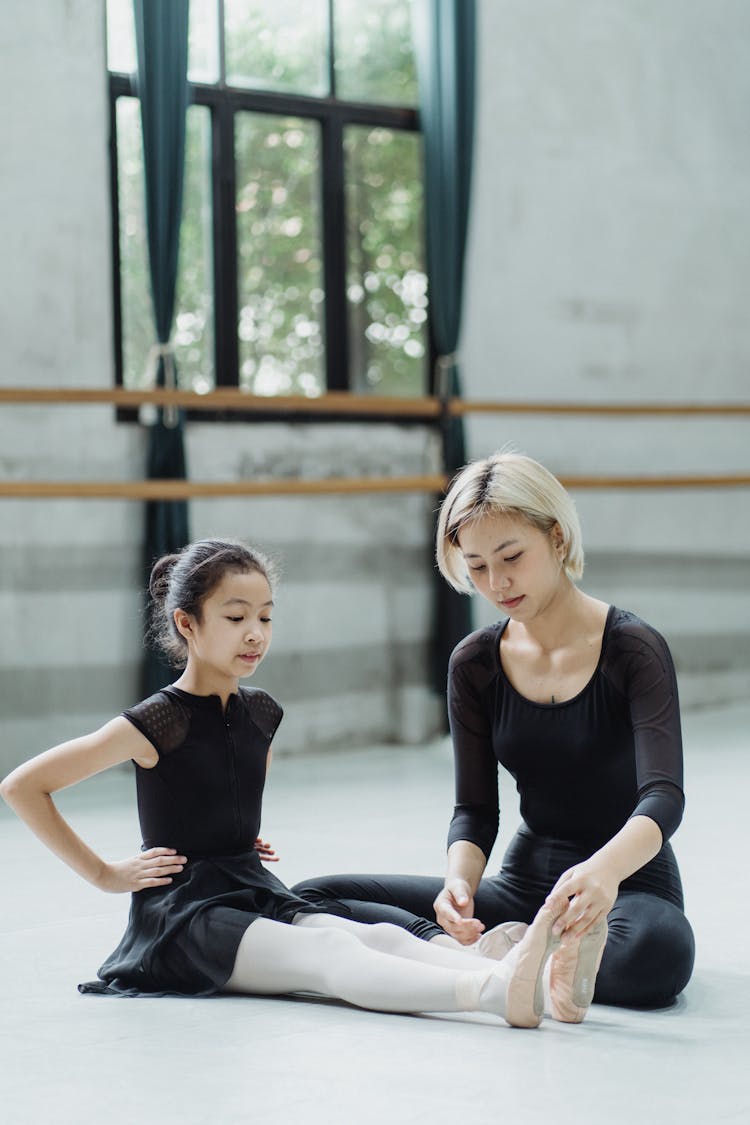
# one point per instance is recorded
(578, 700)
(205, 916)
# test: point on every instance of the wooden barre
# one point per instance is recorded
(344, 403)
(436, 483)
(194, 490)
(227, 399)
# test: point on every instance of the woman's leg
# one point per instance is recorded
(513, 895)
(406, 900)
(333, 960)
(649, 955)
(403, 900)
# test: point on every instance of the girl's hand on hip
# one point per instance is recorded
(582, 896)
(152, 868)
(454, 910)
(265, 851)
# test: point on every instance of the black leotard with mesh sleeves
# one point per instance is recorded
(204, 795)
(202, 798)
(582, 767)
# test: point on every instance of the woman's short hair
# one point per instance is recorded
(508, 484)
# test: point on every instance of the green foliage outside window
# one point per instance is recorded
(280, 236)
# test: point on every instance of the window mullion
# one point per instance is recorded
(226, 317)
(115, 204)
(334, 255)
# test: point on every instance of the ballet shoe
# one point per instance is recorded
(498, 942)
(572, 977)
(522, 971)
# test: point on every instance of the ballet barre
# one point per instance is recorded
(345, 403)
(328, 486)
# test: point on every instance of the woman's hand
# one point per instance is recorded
(583, 896)
(454, 910)
(265, 851)
(153, 868)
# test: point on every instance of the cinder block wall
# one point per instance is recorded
(350, 662)
(610, 261)
(609, 258)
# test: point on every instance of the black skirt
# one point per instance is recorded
(182, 939)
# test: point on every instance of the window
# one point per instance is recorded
(301, 263)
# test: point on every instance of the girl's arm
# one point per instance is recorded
(262, 847)
(28, 790)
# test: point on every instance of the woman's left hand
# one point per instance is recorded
(265, 851)
(590, 890)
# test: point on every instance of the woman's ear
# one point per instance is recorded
(558, 542)
(183, 623)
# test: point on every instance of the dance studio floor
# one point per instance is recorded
(76, 1060)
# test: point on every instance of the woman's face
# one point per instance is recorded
(513, 564)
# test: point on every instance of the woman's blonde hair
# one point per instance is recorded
(508, 484)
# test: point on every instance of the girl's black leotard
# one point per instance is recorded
(203, 797)
(582, 768)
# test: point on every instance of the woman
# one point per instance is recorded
(578, 700)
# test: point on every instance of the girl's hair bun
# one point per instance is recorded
(158, 584)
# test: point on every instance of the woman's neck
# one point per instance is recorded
(570, 614)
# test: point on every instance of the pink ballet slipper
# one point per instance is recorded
(524, 1001)
(573, 970)
(499, 941)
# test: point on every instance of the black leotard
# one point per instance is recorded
(203, 798)
(582, 767)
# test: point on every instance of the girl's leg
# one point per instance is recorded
(649, 955)
(331, 960)
(389, 938)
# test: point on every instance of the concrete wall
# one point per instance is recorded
(350, 659)
(609, 259)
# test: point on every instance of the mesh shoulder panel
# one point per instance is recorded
(162, 720)
(263, 709)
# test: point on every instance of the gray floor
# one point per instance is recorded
(65, 1058)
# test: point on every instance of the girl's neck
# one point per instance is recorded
(199, 680)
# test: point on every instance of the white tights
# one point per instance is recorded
(379, 966)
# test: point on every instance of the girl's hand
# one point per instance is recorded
(454, 910)
(583, 896)
(152, 868)
(265, 851)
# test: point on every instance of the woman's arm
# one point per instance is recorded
(642, 669)
(592, 886)
(28, 790)
(454, 906)
(473, 829)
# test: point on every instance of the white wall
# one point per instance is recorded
(350, 661)
(609, 260)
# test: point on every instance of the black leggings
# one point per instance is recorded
(650, 950)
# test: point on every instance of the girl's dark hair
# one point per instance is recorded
(184, 581)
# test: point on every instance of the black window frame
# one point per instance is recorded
(333, 115)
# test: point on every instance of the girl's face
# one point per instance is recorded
(513, 564)
(234, 631)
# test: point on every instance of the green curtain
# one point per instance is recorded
(444, 37)
(162, 45)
